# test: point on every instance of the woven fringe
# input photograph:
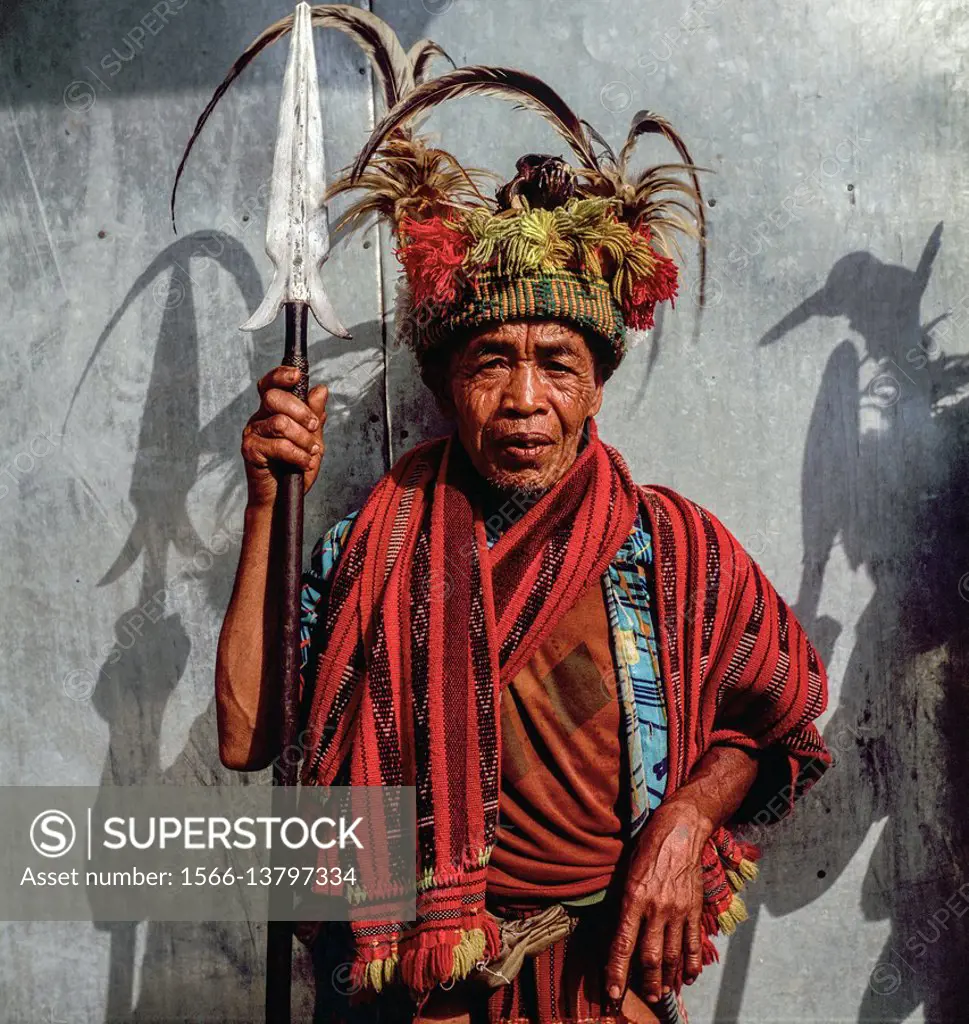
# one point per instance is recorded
(566, 1020)
(749, 870)
(421, 962)
(748, 850)
(450, 953)
(735, 914)
(744, 871)
(374, 974)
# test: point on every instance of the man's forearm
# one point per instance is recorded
(248, 711)
(717, 786)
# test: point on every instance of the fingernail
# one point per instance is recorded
(666, 990)
(314, 423)
(614, 992)
(314, 449)
(689, 981)
(652, 999)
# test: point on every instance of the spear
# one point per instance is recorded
(297, 242)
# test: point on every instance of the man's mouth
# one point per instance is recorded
(524, 445)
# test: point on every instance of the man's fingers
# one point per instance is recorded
(285, 451)
(651, 948)
(672, 955)
(278, 377)
(282, 426)
(622, 948)
(275, 392)
(277, 401)
(316, 400)
(692, 949)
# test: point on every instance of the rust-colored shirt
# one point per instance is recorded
(559, 817)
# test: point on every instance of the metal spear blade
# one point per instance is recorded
(297, 234)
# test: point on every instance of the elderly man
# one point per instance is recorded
(586, 680)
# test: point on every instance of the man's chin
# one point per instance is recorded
(528, 481)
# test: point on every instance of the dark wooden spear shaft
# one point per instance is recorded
(287, 540)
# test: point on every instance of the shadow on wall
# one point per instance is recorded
(886, 475)
(199, 971)
(69, 52)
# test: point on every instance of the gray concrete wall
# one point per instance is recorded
(817, 413)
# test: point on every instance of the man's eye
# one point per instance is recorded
(559, 367)
(491, 364)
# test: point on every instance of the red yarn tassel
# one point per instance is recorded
(442, 961)
(358, 971)
(749, 851)
(413, 965)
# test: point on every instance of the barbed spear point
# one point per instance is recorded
(297, 233)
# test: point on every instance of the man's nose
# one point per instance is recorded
(525, 392)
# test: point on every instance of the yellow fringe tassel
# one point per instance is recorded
(746, 872)
(469, 951)
(732, 916)
(749, 869)
(380, 972)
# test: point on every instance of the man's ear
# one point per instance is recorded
(600, 379)
(436, 375)
(602, 374)
(597, 400)
(445, 399)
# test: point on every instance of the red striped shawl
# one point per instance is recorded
(737, 668)
(426, 623)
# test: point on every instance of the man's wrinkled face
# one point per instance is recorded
(521, 393)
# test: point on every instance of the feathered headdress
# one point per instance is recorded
(591, 244)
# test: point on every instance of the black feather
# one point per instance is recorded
(420, 56)
(379, 42)
(597, 137)
(644, 123)
(507, 83)
(264, 39)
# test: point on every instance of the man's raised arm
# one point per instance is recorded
(283, 429)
